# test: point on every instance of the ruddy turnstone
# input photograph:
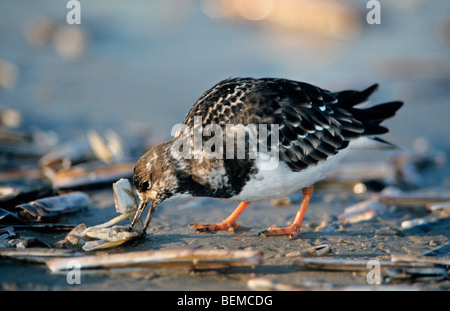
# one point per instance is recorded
(311, 129)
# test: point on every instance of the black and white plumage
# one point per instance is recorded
(316, 128)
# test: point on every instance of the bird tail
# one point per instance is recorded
(348, 99)
(372, 117)
(369, 117)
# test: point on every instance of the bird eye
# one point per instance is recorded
(145, 185)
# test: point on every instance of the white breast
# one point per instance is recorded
(278, 180)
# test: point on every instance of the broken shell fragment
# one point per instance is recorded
(346, 264)
(439, 224)
(441, 207)
(126, 203)
(144, 260)
(24, 190)
(97, 237)
(40, 255)
(260, 283)
(319, 250)
(416, 198)
(7, 193)
(124, 198)
(362, 211)
(66, 154)
(99, 147)
(421, 268)
(111, 150)
(73, 238)
(264, 284)
(53, 206)
(99, 244)
(89, 175)
(413, 222)
(420, 260)
(25, 242)
(418, 274)
(400, 267)
(114, 234)
(6, 234)
(103, 235)
(107, 237)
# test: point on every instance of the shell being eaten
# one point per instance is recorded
(108, 234)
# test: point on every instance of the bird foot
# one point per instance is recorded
(221, 226)
(291, 231)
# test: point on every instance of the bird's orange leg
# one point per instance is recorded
(228, 224)
(294, 229)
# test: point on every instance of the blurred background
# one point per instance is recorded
(138, 66)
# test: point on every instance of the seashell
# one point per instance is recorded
(53, 206)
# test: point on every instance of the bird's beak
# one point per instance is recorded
(150, 214)
(141, 208)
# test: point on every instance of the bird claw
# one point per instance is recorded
(221, 226)
(291, 231)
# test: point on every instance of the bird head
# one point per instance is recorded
(154, 179)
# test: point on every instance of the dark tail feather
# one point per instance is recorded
(377, 113)
(385, 143)
(373, 116)
(348, 99)
(370, 117)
